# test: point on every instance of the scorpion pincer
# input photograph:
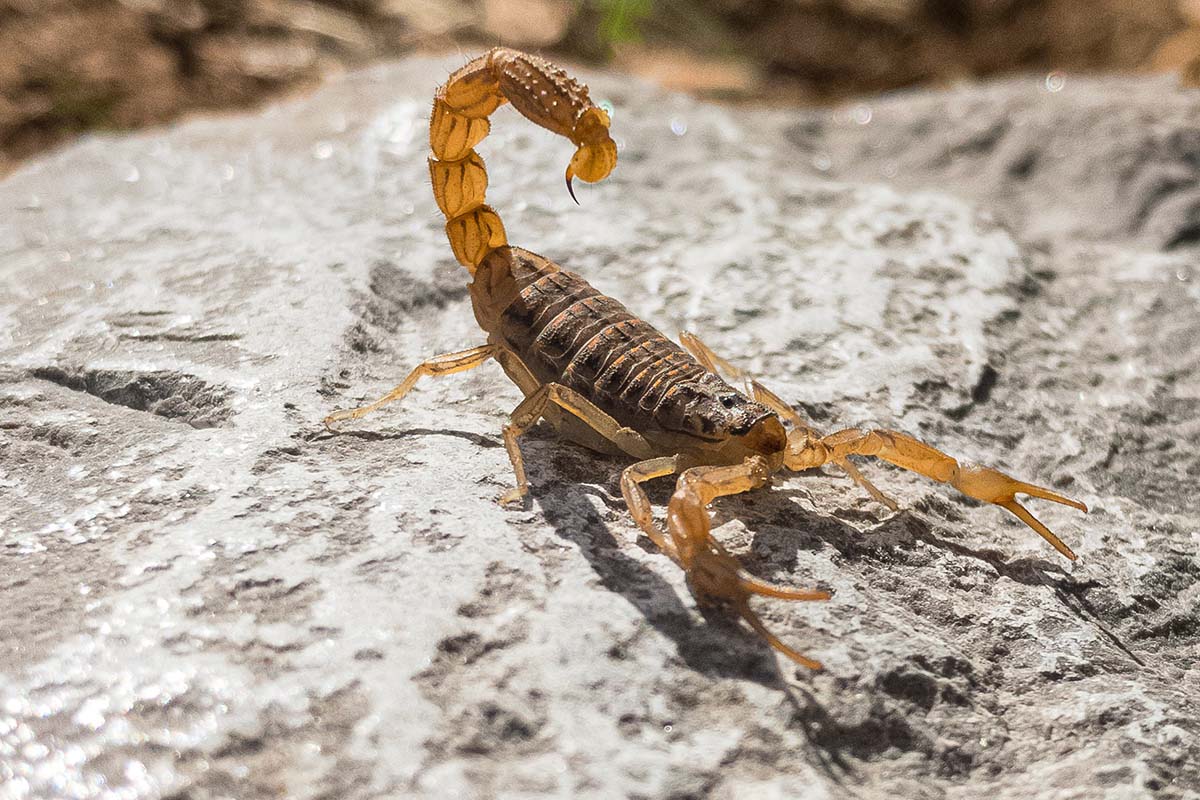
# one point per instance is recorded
(610, 381)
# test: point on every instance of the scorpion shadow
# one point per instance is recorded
(884, 544)
(719, 645)
(406, 433)
(781, 528)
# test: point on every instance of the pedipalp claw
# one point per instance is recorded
(753, 585)
(855, 475)
(743, 607)
(718, 576)
(1047, 494)
(1023, 514)
(993, 486)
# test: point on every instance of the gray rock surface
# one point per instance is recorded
(204, 594)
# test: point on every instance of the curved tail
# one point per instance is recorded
(544, 94)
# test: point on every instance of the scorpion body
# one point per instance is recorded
(612, 382)
(569, 335)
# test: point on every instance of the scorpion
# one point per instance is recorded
(611, 382)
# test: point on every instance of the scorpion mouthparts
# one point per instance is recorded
(570, 188)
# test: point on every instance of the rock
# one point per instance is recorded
(206, 594)
(1029, 149)
(529, 24)
(233, 59)
(846, 47)
(685, 70)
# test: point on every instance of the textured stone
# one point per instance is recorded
(206, 594)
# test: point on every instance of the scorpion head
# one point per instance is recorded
(712, 410)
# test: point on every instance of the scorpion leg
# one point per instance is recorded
(761, 394)
(709, 359)
(713, 573)
(446, 364)
(632, 478)
(981, 483)
(533, 407)
(774, 402)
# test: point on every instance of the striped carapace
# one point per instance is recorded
(610, 381)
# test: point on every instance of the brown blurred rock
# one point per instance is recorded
(75, 65)
(1191, 73)
(680, 70)
(528, 23)
(869, 45)
(335, 24)
(890, 11)
(429, 19)
(175, 16)
(231, 59)
(835, 49)
(1179, 51)
(60, 72)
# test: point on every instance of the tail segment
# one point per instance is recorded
(545, 95)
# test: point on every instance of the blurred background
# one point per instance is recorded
(68, 66)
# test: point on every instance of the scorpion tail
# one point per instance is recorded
(545, 95)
